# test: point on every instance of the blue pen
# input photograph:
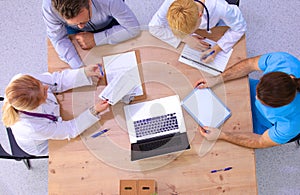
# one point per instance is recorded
(207, 55)
(100, 68)
(225, 169)
(99, 133)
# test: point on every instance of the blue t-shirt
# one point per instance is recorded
(285, 119)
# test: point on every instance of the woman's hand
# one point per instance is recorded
(92, 71)
(101, 105)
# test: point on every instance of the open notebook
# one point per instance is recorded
(192, 57)
(122, 76)
(206, 108)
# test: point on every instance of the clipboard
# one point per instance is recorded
(114, 65)
(206, 108)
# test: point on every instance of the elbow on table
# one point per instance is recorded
(134, 31)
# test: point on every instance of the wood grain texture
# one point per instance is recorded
(95, 166)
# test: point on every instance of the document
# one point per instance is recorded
(206, 108)
(122, 75)
(192, 57)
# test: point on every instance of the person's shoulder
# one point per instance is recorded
(280, 55)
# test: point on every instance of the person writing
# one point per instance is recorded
(275, 101)
(177, 20)
(93, 22)
(31, 109)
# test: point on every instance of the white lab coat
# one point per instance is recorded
(32, 133)
(218, 10)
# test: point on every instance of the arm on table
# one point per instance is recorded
(128, 27)
(238, 70)
(249, 140)
(58, 36)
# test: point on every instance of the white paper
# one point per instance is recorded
(192, 57)
(122, 76)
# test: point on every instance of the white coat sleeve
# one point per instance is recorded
(65, 80)
(234, 19)
(159, 26)
(59, 130)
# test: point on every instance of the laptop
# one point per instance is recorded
(156, 127)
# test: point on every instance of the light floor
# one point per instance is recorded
(273, 25)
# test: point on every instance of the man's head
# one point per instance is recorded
(75, 12)
(277, 89)
(184, 17)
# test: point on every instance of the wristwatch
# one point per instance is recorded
(94, 112)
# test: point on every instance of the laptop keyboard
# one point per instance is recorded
(155, 125)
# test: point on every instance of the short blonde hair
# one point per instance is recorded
(23, 93)
(182, 17)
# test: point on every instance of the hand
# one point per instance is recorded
(196, 42)
(85, 40)
(210, 133)
(92, 71)
(101, 105)
(208, 82)
(215, 49)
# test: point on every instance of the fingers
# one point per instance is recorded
(200, 84)
(198, 37)
(208, 56)
(85, 40)
(204, 130)
(208, 59)
(101, 105)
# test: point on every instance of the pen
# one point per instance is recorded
(217, 170)
(100, 68)
(206, 56)
(100, 133)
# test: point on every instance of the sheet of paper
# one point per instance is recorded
(122, 76)
(192, 57)
(206, 108)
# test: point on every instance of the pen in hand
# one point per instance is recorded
(100, 68)
(207, 55)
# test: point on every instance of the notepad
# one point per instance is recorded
(122, 76)
(192, 57)
(206, 108)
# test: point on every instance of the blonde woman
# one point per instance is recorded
(32, 111)
(177, 20)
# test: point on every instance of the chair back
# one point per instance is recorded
(16, 152)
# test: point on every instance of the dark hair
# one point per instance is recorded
(277, 89)
(69, 8)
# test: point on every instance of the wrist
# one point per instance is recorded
(94, 112)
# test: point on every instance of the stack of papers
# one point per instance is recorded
(192, 57)
(122, 75)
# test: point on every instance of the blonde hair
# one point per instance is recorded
(183, 17)
(23, 93)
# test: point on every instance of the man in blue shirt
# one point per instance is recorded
(275, 101)
(94, 22)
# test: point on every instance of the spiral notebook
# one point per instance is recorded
(206, 108)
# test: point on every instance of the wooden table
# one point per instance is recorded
(88, 165)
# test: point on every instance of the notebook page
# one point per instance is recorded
(122, 76)
(192, 57)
